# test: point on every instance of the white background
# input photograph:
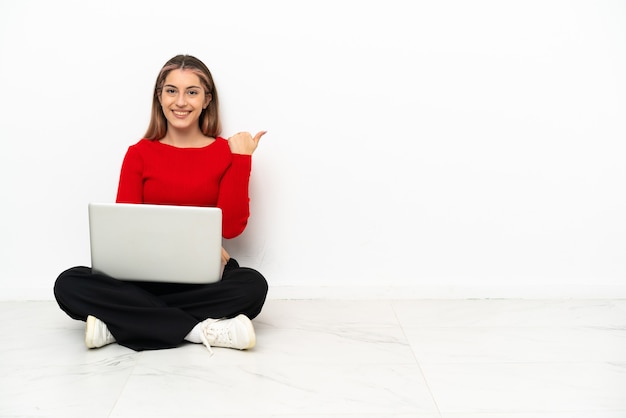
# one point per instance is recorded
(431, 148)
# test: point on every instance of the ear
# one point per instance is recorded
(207, 100)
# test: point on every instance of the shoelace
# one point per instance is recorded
(219, 335)
(206, 343)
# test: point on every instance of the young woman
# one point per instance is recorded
(181, 160)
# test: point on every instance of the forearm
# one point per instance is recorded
(233, 198)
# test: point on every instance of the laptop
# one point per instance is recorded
(156, 243)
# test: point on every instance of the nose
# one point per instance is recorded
(181, 99)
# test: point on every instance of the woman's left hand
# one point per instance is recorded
(244, 143)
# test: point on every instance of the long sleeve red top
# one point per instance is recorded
(156, 173)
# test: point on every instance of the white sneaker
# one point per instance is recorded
(236, 332)
(96, 333)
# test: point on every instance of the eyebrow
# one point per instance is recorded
(190, 87)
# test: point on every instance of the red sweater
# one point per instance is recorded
(156, 173)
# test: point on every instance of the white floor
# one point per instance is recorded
(321, 358)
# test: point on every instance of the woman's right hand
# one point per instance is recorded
(225, 257)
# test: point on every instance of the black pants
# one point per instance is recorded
(147, 315)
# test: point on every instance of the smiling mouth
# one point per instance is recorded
(180, 113)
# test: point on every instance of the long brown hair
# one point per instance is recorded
(209, 118)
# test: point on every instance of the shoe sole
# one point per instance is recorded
(248, 324)
(90, 328)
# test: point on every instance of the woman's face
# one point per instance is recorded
(182, 99)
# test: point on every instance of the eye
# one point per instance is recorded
(193, 92)
(170, 91)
